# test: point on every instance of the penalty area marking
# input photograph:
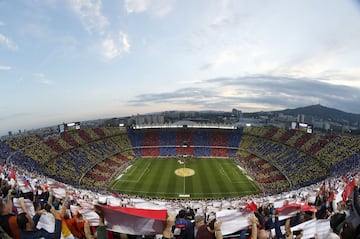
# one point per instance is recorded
(184, 172)
(223, 172)
(145, 170)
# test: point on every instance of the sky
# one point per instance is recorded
(74, 60)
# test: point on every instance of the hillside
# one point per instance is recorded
(321, 112)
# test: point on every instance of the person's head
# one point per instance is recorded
(199, 220)
(47, 207)
(336, 220)
(182, 213)
(66, 215)
(24, 221)
(341, 206)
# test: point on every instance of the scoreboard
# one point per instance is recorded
(66, 127)
(308, 128)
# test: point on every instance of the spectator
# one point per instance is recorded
(64, 215)
(80, 224)
(356, 204)
(211, 230)
(289, 234)
(183, 228)
(8, 218)
(28, 230)
(167, 232)
(101, 228)
(199, 221)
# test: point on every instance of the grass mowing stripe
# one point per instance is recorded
(189, 185)
(199, 179)
(158, 176)
(172, 180)
(214, 180)
(225, 183)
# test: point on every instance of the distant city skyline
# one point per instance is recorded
(76, 60)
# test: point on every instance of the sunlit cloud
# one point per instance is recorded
(261, 92)
(8, 43)
(124, 39)
(5, 68)
(114, 47)
(220, 21)
(157, 8)
(90, 14)
(46, 82)
(42, 79)
(110, 49)
(39, 75)
(136, 6)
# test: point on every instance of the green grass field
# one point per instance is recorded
(213, 178)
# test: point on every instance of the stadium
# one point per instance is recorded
(186, 163)
(140, 119)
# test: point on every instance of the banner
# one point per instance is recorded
(134, 221)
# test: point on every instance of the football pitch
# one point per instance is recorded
(190, 178)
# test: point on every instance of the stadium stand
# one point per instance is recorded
(184, 139)
(150, 144)
(5, 152)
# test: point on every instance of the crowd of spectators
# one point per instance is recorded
(102, 174)
(328, 148)
(174, 142)
(300, 168)
(73, 153)
(5, 152)
(340, 149)
(266, 175)
(54, 210)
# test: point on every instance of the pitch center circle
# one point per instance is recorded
(184, 172)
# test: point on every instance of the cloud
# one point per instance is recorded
(8, 43)
(114, 47)
(185, 96)
(257, 92)
(136, 6)
(41, 78)
(5, 68)
(46, 82)
(90, 14)
(94, 21)
(39, 75)
(220, 21)
(110, 50)
(206, 66)
(50, 3)
(124, 39)
(159, 8)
